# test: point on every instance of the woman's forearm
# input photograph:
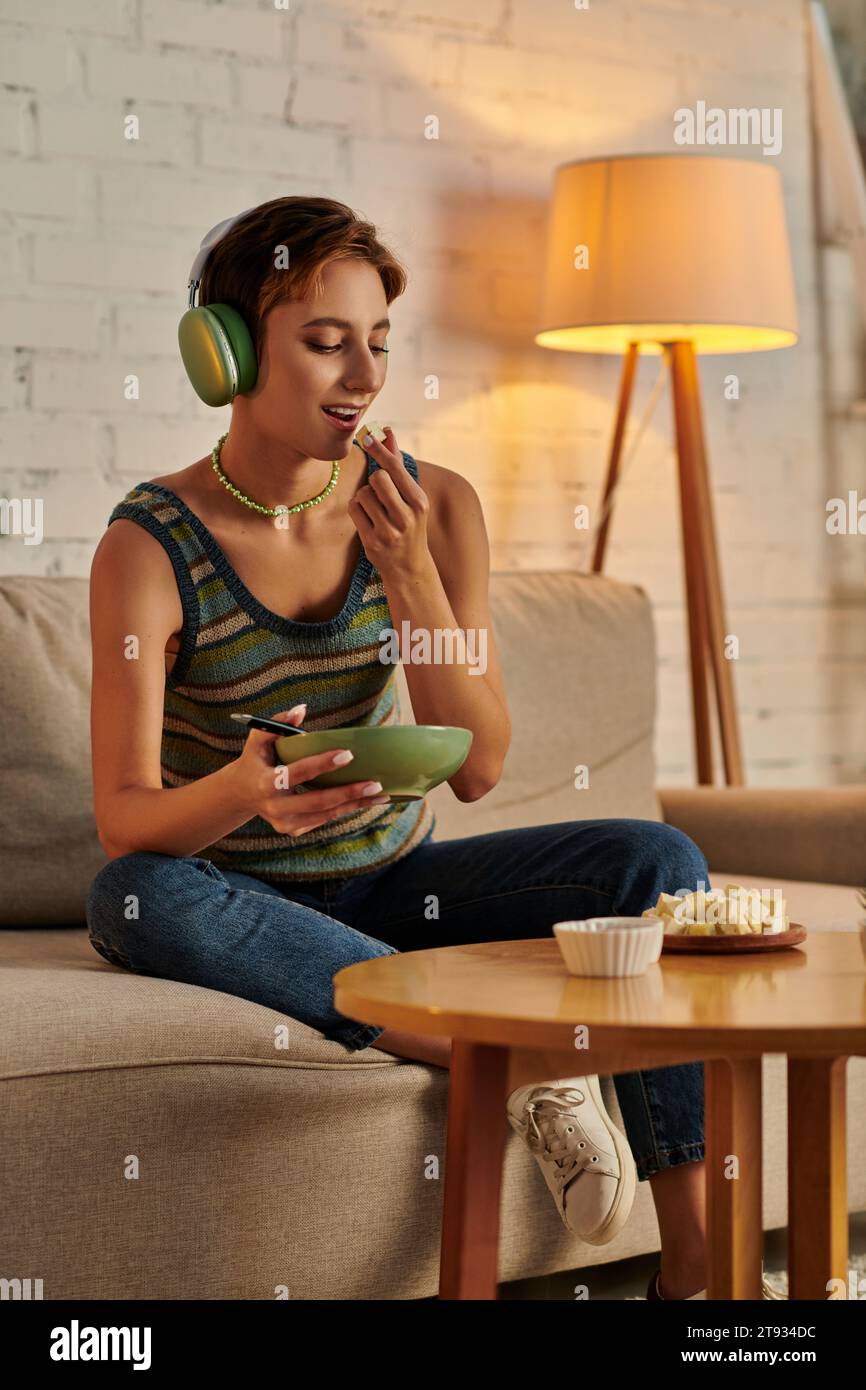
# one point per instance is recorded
(449, 692)
(180, 821)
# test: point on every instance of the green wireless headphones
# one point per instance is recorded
(215, 343)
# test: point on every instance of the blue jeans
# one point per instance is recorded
(281, 946)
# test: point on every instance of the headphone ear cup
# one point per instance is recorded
(217, 351)
(242, 345)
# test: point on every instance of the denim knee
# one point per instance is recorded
(655, 858)
(685, 863)
(112, 907)
(116, 881)
(154, 914)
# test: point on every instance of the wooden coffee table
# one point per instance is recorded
(512, 1010)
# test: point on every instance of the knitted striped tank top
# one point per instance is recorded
(235, 654)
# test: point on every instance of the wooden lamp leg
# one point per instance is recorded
(626, 386)
(703, 579)
(695, 578)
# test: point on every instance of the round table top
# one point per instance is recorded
(518, 993)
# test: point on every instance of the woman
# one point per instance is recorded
(206, 599)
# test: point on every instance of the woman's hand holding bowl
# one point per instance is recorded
(270, 789)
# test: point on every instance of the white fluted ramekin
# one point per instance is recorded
(610, 945)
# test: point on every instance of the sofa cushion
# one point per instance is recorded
(50, 847)
(309, 1167)
(115, 1018)
(579, 665)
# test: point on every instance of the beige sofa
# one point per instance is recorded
(155, 1143)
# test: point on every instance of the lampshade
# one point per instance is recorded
(676, 247)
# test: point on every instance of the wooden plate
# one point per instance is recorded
(723, 945)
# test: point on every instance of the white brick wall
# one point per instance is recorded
(239, 102)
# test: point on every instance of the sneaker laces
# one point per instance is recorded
(542, 1111)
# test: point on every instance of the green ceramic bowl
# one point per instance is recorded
(408, 759)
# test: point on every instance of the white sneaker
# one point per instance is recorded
(586, 1161)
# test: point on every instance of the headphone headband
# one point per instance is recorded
(209, 241)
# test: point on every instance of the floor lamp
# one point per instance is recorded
(681, 254)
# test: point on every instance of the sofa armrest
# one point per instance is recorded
(812, 834)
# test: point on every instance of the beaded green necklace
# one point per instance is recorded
(256, 506)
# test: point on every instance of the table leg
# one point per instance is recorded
(473, 1171)
(817, 1176)
(732, 1102)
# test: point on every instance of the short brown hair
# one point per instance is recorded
(240, 270)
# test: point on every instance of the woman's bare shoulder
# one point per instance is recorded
(443, 485)
(127, 557)
(453, 500)
(455, 520)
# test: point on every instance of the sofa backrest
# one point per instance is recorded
(48, 840)
(579, 666)
(578, 656)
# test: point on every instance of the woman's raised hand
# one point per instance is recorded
(267, 787)
(390, 512)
